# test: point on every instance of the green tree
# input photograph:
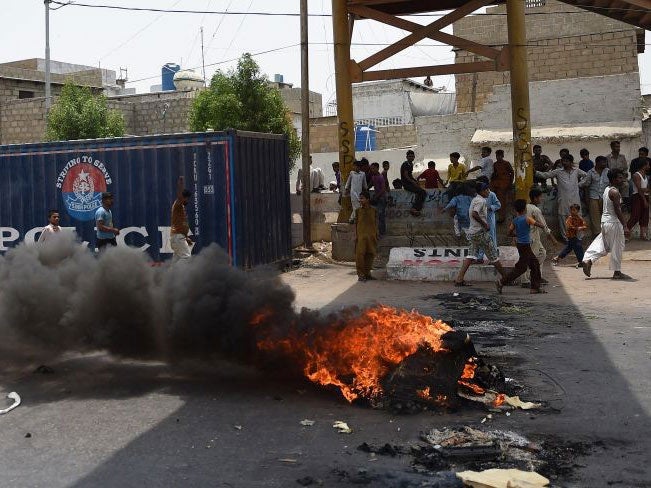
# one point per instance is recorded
(243, 99)
(78, 114)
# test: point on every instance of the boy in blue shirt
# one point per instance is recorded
(106, 232)
(520, 228)
(459, 206)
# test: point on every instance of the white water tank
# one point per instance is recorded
(187, 80)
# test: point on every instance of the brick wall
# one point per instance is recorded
(323, 136)
(14, 79)
(22, 121)
(394, 136)
(584, 44)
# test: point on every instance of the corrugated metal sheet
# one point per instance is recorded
(239, 184)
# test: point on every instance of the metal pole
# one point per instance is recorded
(203, 60)
(305, 127)
(522, 159)
(48, 99)
(341, 36)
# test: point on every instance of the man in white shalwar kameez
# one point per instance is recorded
(613, 229)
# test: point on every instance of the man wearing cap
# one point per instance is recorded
(179, 240)
(106, 232)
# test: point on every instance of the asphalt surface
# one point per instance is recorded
(583, 349)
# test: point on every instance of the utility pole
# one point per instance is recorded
(342, 32)
(203, 60)
(305, 128)
(48, 95)
(522, 158)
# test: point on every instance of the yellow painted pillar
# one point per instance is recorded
(346, 127)
(522, 158)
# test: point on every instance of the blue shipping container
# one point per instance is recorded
(239, 182)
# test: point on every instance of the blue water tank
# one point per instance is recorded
(167, 76)
(365, 138)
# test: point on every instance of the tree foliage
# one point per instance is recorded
(78, 114)
(243, 99)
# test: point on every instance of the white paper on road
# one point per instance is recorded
(16, 398)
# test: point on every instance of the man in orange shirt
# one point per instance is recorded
(179, 240)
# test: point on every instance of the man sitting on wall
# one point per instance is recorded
(410, 184)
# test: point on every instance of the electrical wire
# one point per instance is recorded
(219, 25)
(124, 43)
(223, 61)
(237, 31)
(183, 11)
(292, 14)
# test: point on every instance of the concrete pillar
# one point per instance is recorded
(522, 157)
(346, 128)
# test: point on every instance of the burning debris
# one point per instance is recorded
(495, 456)
(61, 298)
(389, 358)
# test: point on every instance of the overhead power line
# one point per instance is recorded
(296, 14)
(223, 61)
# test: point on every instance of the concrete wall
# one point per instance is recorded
(376, 101)
(594, 100)
(440, 135)
(584, 44)
(574, 101)
(292, 99)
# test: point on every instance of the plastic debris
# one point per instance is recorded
(503, 478)
(12, 396)
(307, 422)
(342, 427)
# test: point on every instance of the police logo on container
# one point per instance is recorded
(82, 182)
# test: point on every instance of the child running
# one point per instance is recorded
(367, 234)
(575, 226)
(520, 228)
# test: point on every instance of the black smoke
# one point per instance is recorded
(60, 297)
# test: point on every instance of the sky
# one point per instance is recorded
(142, 42)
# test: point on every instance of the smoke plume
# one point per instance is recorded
(59, 297)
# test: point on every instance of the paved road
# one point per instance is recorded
(584, 348)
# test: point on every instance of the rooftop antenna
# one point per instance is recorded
(203, 60)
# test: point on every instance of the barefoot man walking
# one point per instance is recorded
(613, 229)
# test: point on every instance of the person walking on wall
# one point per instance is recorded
(106, 231)
(180, 242)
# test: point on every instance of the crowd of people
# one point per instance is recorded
(591, 196)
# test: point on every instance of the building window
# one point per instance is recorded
(534, 3)
(25, 94)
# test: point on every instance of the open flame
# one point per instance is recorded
(467, 375)
(356, 353)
